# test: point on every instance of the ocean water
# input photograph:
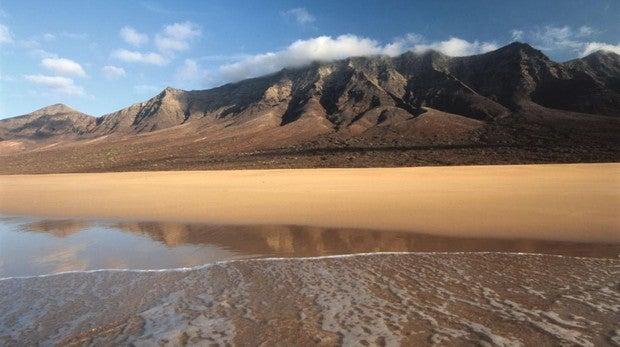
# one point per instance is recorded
(32, 246)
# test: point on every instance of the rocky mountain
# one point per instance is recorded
(50, 121)
(413, 99)
(359, 92)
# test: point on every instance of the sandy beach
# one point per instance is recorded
(577, 202)
(404, 298)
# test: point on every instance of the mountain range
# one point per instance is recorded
(511, 105)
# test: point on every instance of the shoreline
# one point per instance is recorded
(575, 202)
(336, 257)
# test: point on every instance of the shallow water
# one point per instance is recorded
(35, 246)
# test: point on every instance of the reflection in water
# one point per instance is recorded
(60, 228)
(30, 246)
(302, 241)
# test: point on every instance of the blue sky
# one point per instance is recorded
(102, 55)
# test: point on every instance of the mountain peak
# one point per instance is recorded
(519, 44)
(169, 89)
(170, 92)
(56, 109)
(521, 47)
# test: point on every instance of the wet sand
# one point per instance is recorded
(557, 202)
(377, 299)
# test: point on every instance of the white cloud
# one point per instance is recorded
(301, 15)
(326, 48)
(63, 66)
(516, 35)
(111, 72)
(176, 37)
(456, 47)
(402, 44)
(5, 34)
(301, 52)
(58, 84)
(592, 47)
(138, 57)
(131, 36)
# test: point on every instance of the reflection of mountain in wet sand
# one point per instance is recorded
(57, 227)
(300, 241)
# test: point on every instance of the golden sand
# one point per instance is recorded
(569, 202)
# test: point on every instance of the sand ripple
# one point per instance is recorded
(372, 299)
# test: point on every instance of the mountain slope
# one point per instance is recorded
(49, 124)
(353, 93)
(514, 101)
(54, 120)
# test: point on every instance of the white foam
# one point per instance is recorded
(338, 256)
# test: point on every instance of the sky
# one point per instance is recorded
(99, 56)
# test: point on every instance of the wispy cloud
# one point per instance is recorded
(572, 41)
(5, 34)
(64, 85)
(63, 66)
(176, 37)
(553, 38)
(111, 72)
(139, 57)
(516, 35)
(131, 36)
(301, 15)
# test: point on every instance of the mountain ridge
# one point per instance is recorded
(412, 99)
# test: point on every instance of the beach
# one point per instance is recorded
(577, 202)
(529, 288)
